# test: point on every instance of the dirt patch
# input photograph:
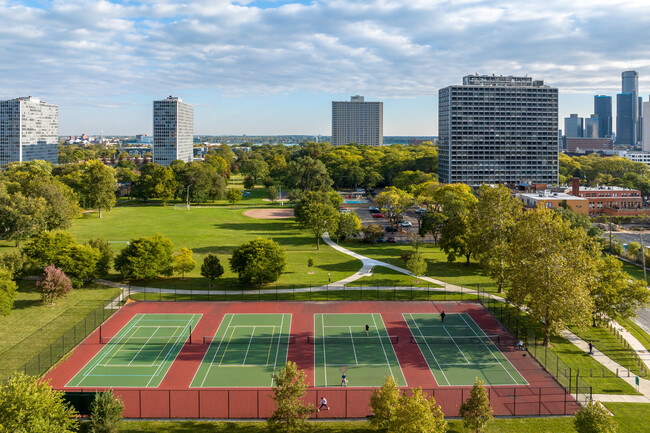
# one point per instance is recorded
(270, 214)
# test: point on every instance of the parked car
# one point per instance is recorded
(421, 210)
(392, 240)
(406, 224)
(373, 209)
(378, 215)
(390, 229)
(381, 240)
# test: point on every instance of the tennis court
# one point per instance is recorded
(245, 351)
(458, 351)
(342, 346)
(140, 354)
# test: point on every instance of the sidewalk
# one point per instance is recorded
(635, 344)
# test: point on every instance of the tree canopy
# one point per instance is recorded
(258, 261)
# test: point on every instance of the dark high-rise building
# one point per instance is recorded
(574, 126)
(629, 110)
(625, 112)
(498, 129)
(603, 110)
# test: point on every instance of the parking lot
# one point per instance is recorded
(400, 235)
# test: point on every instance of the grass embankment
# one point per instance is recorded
(637, 332)
(31, 327)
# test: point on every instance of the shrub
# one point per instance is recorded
(106, 412)
(54, 284)
(258, 261)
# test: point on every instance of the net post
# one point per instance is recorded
(190, 334)
(100, 334)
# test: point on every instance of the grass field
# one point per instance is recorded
(637, 332)
(218, 231)
(32, 326)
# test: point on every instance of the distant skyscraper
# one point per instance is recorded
(29, 130)
(603, 110)
(627, 107)
(573, 126)
(173, 131)
(625, 112)
(358, 122)
(498, 129)
(646, 126)
(591, 127)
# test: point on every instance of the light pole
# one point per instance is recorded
(187, 197)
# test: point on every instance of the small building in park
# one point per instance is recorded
(554, 200)
(609, 200)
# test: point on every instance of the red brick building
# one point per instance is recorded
(611, 200)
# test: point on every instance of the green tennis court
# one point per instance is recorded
(458, 351)
(245, 351)
(342, 346)
(140, 354)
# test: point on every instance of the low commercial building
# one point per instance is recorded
(609, 200)
(554, 200)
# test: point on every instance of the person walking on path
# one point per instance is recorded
(323, 404)
(591, 348)
(442, 316)
(367, 329)
(329, 277)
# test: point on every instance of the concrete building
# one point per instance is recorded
(643, 157)
(628, 112)
(574, 126)
(29, 130)
(495, 129)
(357, 121)
(173, 131)
(591, 127)
(585, 144)
(554, 200)
(603, 110)
(610, 200)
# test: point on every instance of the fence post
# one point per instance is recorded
(539, 403)
(514, 402)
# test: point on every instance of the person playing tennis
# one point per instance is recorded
(367, 329)
(344, 380)
(323, 404)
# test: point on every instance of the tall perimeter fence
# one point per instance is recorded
(343, 403)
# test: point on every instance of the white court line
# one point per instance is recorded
(145, 343)
(171, 350)
(491, 352)
(216, 351)
(429, 347)
(322, 317)
(382, 345)
(354, 350)
(247, 348)
(277, 349)
(455, 344)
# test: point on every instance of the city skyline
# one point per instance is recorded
(274, 67)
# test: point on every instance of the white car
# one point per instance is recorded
(406, 224)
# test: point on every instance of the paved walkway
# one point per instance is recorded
(634, 344)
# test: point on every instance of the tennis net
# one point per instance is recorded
(461, 340)
(146, 341)
(356, 339)
(282, 340)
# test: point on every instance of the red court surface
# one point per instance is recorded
(175, 399)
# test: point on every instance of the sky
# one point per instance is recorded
(268, 67)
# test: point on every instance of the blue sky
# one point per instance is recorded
(274, 66)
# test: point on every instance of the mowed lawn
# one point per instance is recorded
(218, 231)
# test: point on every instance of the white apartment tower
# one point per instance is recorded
(498, 129)
(173, 131)
(357, 121)
(29, 130)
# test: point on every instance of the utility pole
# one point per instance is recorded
(645, 277)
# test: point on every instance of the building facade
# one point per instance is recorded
(628, 110)
(554, 200)
(603, 111)
(173, 131)
(645, 127)
(357, 121)
(585, 144)
(574, 126)
(29, 130)
(496, 129)
(591, 127)
(610, 200)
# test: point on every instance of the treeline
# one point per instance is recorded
(594, 169)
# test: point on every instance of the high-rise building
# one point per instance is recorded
(591, 127)
(627, 107)
(29, 130)
(173, 131)
(357, 121)
(603, 110)
(498, 129)
(625, 119)
(574, 126)
(646, 126)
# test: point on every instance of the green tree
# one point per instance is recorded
(307, 174)
(105, 261)
(16, 263)
(98, 186)
(394, 202)
(79, 262)
(319, 217)
(633, 249)
(30, 405)
(47, 247)
(249, 182)
(272, 193)
(258, 261)
(372, 233)
(551, 269)
(383, 403)
(21, 217)
(417, 413)
(289, 390)
(476, 410)
(349, 226)
(594, 418)
(106, 412)
(183, 261)
(491, 224)
(234, 195)
(211, 268)
(417, 265)
(255, 168)
(455, 235)
(146, 258)
(8, 290)
(53, 284)
(615, 295)
(156, 181)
